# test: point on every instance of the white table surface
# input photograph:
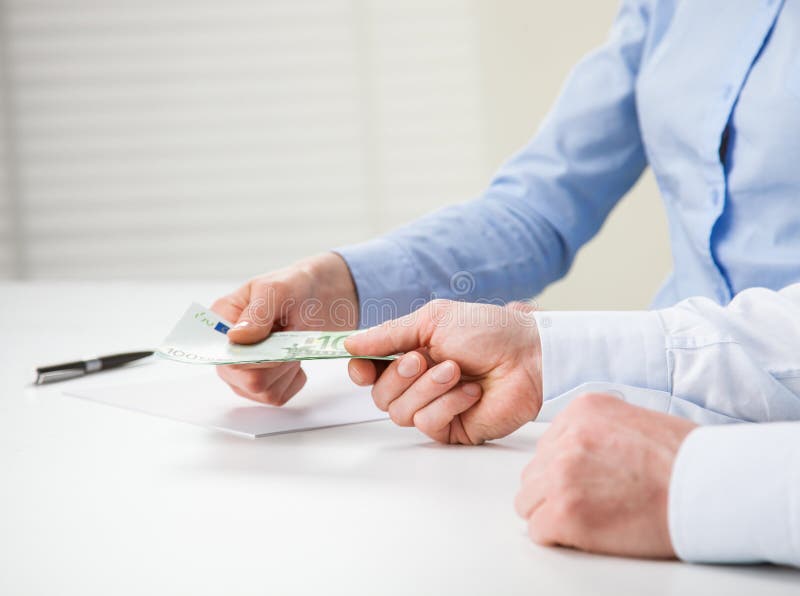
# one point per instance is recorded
(99, 500)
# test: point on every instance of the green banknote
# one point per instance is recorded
(200, 338)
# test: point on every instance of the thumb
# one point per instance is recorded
(398, 335)
(249, 329)
(257, 320)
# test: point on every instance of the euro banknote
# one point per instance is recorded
(200, 337)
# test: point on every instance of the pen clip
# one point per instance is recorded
(58, 375)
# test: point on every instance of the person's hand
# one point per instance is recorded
(599, 480)
(471, 372)
(317, 293)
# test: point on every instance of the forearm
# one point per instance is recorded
(485, 250)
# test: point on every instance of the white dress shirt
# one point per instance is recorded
(735, 491)
(734, 496)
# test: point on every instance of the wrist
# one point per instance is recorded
(531, 355)
(535, 364)
(334, 287)
(611, 347)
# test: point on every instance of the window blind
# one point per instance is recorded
(7, 251)
(200, 138)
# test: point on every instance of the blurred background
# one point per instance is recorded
(211, 139)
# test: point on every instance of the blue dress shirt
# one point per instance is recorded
(705, 93)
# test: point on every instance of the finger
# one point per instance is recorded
(253, 379)
(287, 387)
(232, 375)
(397, 378)
(547, 447)
(392, 337)
(265, 306)
(228, 376)
(532, 493)
(266, 366)
(230, 307)
(238, 391)
(436, 418)
(250, 384)
(400, 376)
(256, 384)
(543, 526)
(295, 386)
(365, 372)
(428, 387)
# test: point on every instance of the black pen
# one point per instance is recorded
(70, 370)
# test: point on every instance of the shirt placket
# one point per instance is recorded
(718, 116)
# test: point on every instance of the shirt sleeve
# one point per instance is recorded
(737, 363)
(541, 207)
(734, 495)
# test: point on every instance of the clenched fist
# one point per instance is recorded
(599, 480)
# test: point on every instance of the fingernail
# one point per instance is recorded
(409, 366)
(472, 389)
(241, 324)
(443, 373)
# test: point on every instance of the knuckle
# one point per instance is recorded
(580, 439)
(398, 414)
(260, 291)
(591, 403)
(278, 289)
(252, 382)
(558, 515)
(291, 366)
(219, 303)
(567, 469)
(438, 310)
(379, 397)
(302, 378)
(423, 423)
(439, 303)
(260, 284)
(582, 403)
(271, 398)
(569, 508)
(570, 504)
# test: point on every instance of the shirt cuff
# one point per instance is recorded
(387, 282)
(617, 347)
(733, 495)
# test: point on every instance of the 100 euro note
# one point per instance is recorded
(200, 338)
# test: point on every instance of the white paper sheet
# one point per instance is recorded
(201, 398)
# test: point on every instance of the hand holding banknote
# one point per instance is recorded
(471, 372)
(317, 293)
